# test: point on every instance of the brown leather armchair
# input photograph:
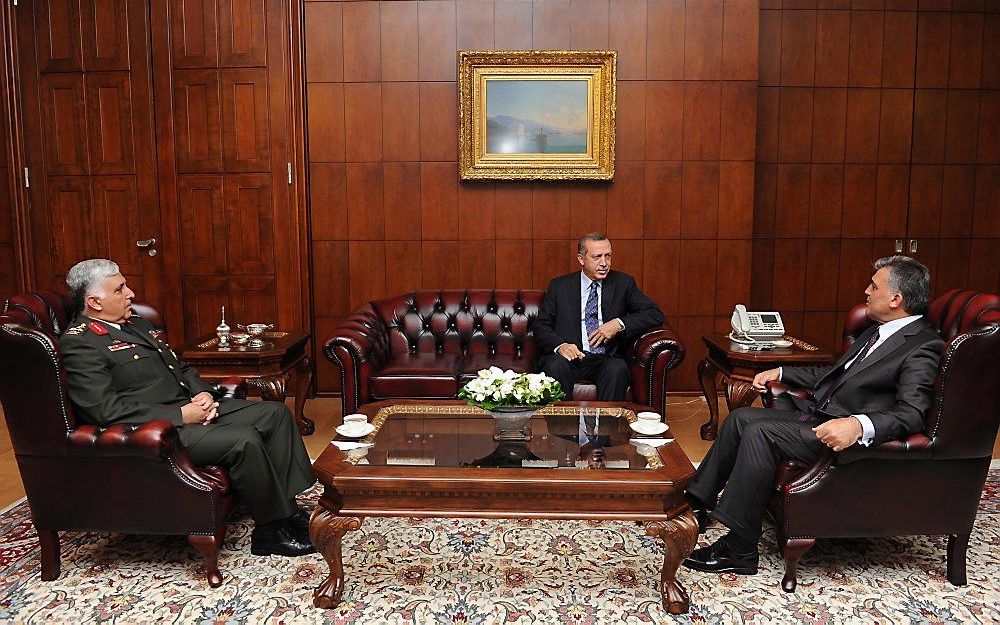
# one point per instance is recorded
(926, 483)
(124, 478)
(428, 344)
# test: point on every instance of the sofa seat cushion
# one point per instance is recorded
(474, 362)
(417, 375)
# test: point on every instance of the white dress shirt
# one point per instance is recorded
(885, 330)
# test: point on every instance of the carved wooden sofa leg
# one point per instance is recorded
(793, 550)
(209, 546)
(48, 540)
(957, 545)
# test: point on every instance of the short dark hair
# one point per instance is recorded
(911, 279)
(581, 247)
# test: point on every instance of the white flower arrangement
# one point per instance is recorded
(493, 388)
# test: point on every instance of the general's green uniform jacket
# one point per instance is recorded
(129, 375)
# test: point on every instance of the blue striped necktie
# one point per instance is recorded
(590, 316)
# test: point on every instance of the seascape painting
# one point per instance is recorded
(543, 116)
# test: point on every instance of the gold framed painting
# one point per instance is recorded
(536, 115)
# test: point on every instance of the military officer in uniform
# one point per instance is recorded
(119, 371)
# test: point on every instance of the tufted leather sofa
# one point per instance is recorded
(926, 483)
(428, 344)
(124, 478)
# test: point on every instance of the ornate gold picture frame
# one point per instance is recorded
(536, 115)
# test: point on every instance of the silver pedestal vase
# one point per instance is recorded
(512, 422)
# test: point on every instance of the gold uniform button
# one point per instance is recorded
(170, 366)
(135, 357)
(183, 384)
(160, 350)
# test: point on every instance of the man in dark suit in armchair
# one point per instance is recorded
(879, 390)
(587, 319)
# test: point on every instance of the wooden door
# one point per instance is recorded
(85, 95)
(224, 137)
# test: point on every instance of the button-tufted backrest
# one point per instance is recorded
(964, 419)
(476, 321)
(958, 311)
(46, 310)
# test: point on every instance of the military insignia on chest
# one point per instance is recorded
(120, 345)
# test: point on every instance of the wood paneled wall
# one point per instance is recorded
(389, 213)
(876, 121)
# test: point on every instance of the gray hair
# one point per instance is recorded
(581, 247)
(85, 277)
(911, 279)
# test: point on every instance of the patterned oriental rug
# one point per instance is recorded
(473, 572)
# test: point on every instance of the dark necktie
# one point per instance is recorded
(827, 397)
(590, 316)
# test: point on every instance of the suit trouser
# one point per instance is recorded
(609, 373)
(744, 459)
(261, 447)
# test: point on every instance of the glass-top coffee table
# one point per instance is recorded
(440, 458)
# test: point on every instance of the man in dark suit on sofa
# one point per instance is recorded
(879, 390)
(587, 319)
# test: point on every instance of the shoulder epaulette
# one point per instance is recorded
(77, 329)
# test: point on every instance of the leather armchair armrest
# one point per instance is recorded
(148, 440)
(154, 440)
(776, 388)
(234, 386)
(913, 447)
(655, 353)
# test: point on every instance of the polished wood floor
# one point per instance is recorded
(685, 414)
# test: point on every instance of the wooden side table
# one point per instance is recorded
(268, 369)
(735, 366)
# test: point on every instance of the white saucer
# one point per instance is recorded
(355, 431)
(658, 428)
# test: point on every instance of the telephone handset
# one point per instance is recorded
(751, 327)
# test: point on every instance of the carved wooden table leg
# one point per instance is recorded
(739, 394)
(327, 532)
(707, 374)
(303, 377)
(272, 387)
(679, 536)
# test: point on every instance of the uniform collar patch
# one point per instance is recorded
(97, 328)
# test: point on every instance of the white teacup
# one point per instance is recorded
(648, 418)
(355, 420)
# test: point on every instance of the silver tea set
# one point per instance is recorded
(252, 338)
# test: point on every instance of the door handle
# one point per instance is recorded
(913, 246)
(147, 244)
(899, 246)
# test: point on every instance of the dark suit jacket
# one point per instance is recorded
(115, 376)
(561, 312)
(894, 385)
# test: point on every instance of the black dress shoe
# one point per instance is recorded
(719, 558)
(279, 539)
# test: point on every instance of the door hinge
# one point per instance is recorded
(289, 173)
(27, 178)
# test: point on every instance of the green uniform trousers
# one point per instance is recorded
(261, 447)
